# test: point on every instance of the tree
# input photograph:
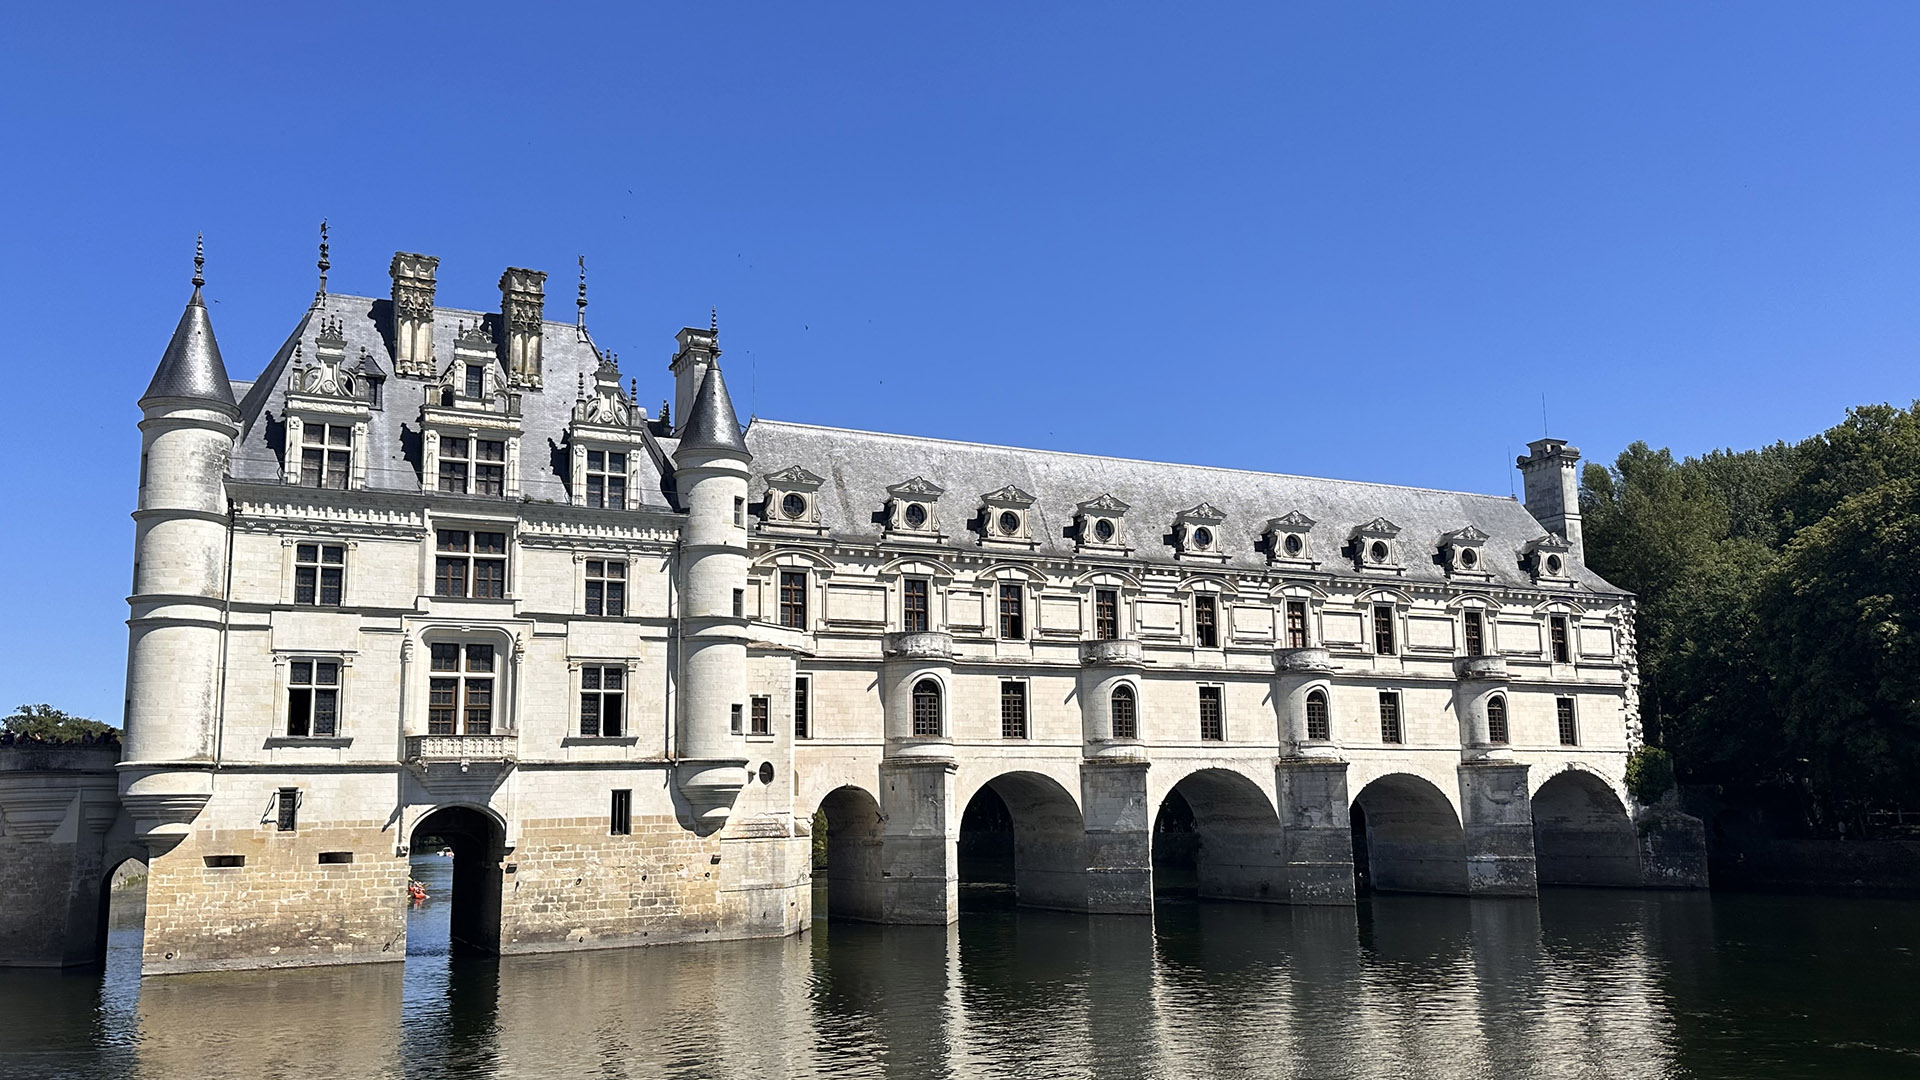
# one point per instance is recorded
(48, 724)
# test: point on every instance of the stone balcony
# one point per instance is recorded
(1310, 661)
(920, 645)
(1115, 652)
(1486, 668)
(463, 750)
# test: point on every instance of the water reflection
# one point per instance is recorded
(1579, 984)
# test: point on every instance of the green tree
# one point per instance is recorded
(48, 724)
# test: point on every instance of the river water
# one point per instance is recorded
(1582, 983)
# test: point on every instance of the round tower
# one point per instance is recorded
(711, 468)
(187, 431)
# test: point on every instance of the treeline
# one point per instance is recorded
(1779, 612)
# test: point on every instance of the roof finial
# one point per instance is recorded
(321, 296)
(713, 325)
(580, 321)
(199, 260)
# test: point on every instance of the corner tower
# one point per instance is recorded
(1553, 490)
(188, 425)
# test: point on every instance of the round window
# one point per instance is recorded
(1103, 530)
(1553, 564)
(1202, 538)
(766, 772)
(1468, 557)
(794, 505)
(1294, 544)
(1378, 551)
(916, 516)
(1009, 523)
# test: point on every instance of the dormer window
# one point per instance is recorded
(327, 414)
(916, 515)
(793, 506)
(792, 501)
(1103, 531)
(605, 435)
(476, 381)
(1097, 524)
(1460, 550)
(1004, 518)
(1546, 559)
(911, 509)
(1287, 540)
(1376, 546)
(1196, 533)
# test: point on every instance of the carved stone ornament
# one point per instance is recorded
(792, 500)
(1196, 532)
(1461, 549)
(1374, 545)
(1289, 539)
(1099, 524)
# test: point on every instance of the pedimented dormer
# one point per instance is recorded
(1196, 533)
(1290, 541)
(1375, 547)
(1545, 558)
(1099, 524)
(1461, 554)
(605, 438)
(913, 510)
(470, 424)
(793, 501)
(327, 412)
(1006, 518)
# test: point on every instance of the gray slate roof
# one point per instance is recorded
(861, 465)
(714, 425)
(191, 366)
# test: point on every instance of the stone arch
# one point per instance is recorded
(1407, 837)
(1031, 821)
(852, 847)
(477, 836)
(1236, 848)
(122, 909)
(1582, 833)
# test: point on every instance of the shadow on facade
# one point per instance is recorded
(1216, 836)
(1022, 842)
(1406, 838)
(1582, 834)
(852, 852)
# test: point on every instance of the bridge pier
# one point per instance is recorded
(57, 803)
(1119, 824)
(920, 830)
(1316, 831)
(1498, 828)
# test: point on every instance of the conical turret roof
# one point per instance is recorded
(712, 424)
(191, 366)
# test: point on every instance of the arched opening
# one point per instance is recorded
(1023, 830)
(1319, 720)
(1217, 836)
(123, 919)
(1406, 838)
(1125, 712)
(455, 857)
(927, 721)
(846, 846)
(1582, 834)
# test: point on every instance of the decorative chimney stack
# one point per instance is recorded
(523, 305)
(413, 287)
(1553, 490)
(699, 352)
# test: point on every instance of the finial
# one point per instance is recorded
(323, 263)
(713, 327)
(199, 260)
(580, 384)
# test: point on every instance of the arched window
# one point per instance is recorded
(1497, 720)
(1319, 727)
(1126, 718)
(926, 707)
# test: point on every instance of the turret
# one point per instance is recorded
(711, 467)
(187, 431)
(1553, 490)
(699, 353)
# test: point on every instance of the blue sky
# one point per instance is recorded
(1338, 239)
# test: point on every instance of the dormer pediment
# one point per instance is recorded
(917, 488)
(1205, 512)
(1289, 540)
(1375, 546)
(1378, 527)
(1006, 518)
(1196, 533)
(1104, 503)
(1460, 552)
(913, 510)
(792, 501)
(1009, 496)
(1100, 525)
(795, 478)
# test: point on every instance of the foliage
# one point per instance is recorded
(44, 723)
(1649, 774)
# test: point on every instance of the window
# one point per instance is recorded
(603, 696)
(287, 803)
(1557, 634)
(606, 587)
(471, 564)
(1012, 611)
(1296, 624)
(473, 466)
(620, 820)
(1497, 720)
(802, 690)
(794, 505)
(1213, 726)
(914, 592)
(318, 571)
(1390, 718)
(1383, 629)
(793, 599)
(739, 603)
(1569, 730)
(734, 725)
(1319, 725)
(1206, 614)
(460, 692)
(740, 511)
(1013, 710)
(926, 708)
(1106, 614)
(762, 715)
(476, 380)
(607, 479)
(1476, 633)
(326, 452)
(1126, 713)
(313, 699)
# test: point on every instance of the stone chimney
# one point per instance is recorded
(413, 287)
(523, 304)
(1553, 490)
(699, 351)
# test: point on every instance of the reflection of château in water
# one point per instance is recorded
(436, 573)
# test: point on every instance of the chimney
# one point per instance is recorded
(523, 304)
(699, 350)
(1553, 490)
(413, 286)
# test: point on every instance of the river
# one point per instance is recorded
(1582, 983)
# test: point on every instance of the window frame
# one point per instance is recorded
(1393, 720)
(1318, 728)
(599, 693)
(1114, 719)
(318, 568)
(620, 813)
(1106, 613)
(791, 590)
(932, 723)
(329, 455)
(1559, 638)
(313, 688)
(1566, 716)
(1216, 694)
(1473, 632)
(1016, 724)
(608, 478)
(464, 677)
(1386, 636)
(1011, 609)
(760, 716)
(1304, 639)
(916, 617)
(471, 559)
(803, 706)
(612, 588)
(1499, 722)
(1206, 628)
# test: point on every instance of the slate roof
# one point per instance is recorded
(861, 465)
(713, 424)
(191, 367)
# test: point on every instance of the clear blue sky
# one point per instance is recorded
(1337, 239)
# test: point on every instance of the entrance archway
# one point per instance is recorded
(851, 819)
(1216, 833)
(477, 842)
(1406, 838)
(1582, 834)
(1024, 829)
(123, 916)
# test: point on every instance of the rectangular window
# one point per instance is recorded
(620, 820)
(470, 564)
(326, 453)
(740, 511)
(1106, 614)
(606, 587)
(313, 699)
(1569, 730)
(318, 573)
(1476, 634)
(289, 809)
(476, 380)
(1213, 724)
(1383, 629)
(914, 596)
(607, 479)
(761, 718)
(1557, 634)
(793, 599)
(739, 603)
(460, 689)
(489, 467)
(1013, 710)
(1319, 724)
(1390, 717)
(1206, 616)
(1013, 622)
(734, 725)
(603, 697)
(1296, 624)
(802, 720)
(455, 463)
